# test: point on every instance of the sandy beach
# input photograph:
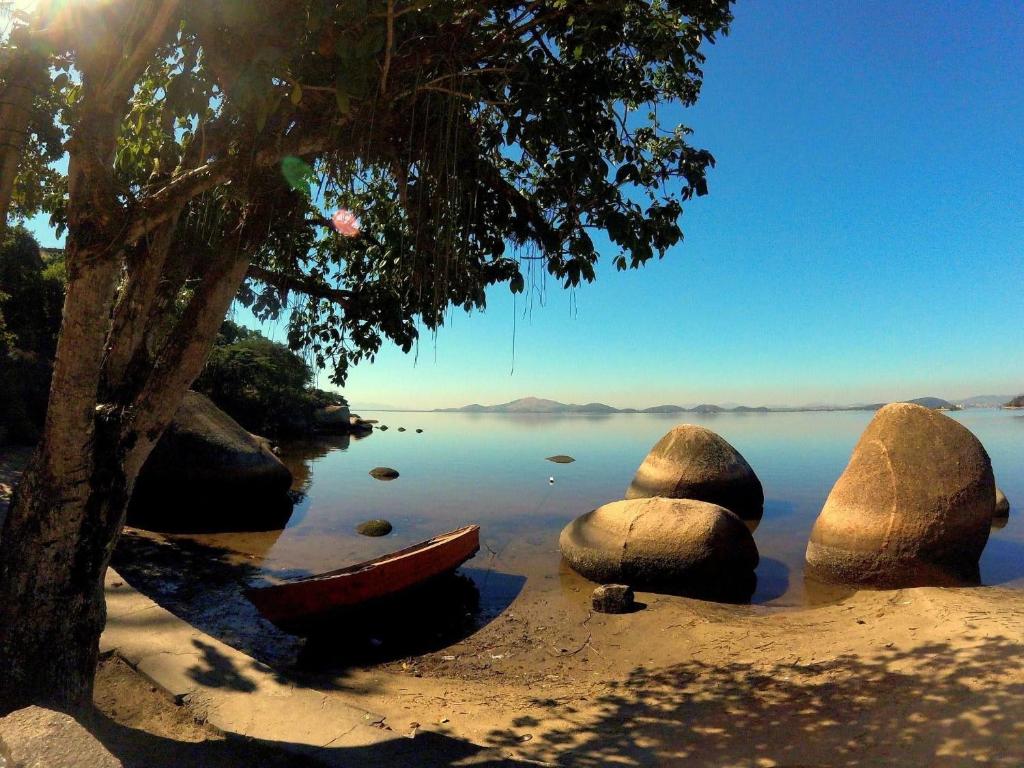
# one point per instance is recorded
(926, 676)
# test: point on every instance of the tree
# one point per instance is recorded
(206, 142)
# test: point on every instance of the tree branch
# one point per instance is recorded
(301, 283)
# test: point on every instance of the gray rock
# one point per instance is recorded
(561, 458)
(419, 431)
(383, 427)
(401, 429)
(374, 528)
(205, 459)
(332, 418)
(41, 738)
(691, 462)
(667, 544)
(912, 508)
(613, 598)
(1002, 504)
(384, 473)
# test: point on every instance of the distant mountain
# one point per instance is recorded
(706, 408)
(542, 405)
(984, 401)
(533, 405)
(935, 403)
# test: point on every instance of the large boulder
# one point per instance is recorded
(206, 469)
(912, 508)
(41, 738)
(692, 462)
(333, 418)
(674, 545)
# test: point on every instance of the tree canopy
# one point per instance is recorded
(478, 143)
(207, 144)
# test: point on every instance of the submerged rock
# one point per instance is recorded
(419, 431)
(401, 429)
(561, 458)
(691, 462)
(374, 528)
(207, 467)
(613, 598)
(384, 473)
(383, 427)
(1002, 508)
(912, 508)
(678, 545)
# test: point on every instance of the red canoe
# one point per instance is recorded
(315, 597)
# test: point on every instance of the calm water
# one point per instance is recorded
(491, 469)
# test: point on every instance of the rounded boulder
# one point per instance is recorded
(679, 545)
(691, 462)
(912, 508)
(206, 466)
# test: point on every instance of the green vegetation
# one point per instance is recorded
(261, 384)
(31, 296)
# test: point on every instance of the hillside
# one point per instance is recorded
(1017, 402)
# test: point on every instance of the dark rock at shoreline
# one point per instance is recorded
(383, 427)
(692, 462)
(401, 429)
(675, 545)
(561, 458)
(384, 473)
(374, 528)
(912, 508)
(613, 598)
(332, 418)
(419, 431)
(207, 472)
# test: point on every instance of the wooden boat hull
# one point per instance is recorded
(305, 601)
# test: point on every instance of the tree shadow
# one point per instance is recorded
(204, 584)
(937, 705)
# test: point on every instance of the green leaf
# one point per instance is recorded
(296, 94)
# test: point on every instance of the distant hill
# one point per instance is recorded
(935, 403)
(533, 405)
(984, 401)
(1017, 402)
(707, 408)
(543, 405)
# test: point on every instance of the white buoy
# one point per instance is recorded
(551, 481)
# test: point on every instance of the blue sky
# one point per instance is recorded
(863, 239)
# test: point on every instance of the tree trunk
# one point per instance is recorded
(55, 549)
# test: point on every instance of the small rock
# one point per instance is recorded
(374, 528)
(419, 431)
(383, 427)
(384, 473)
(401, 429)
(613, 598)
(561, 458)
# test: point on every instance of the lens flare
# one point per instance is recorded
(345, 223)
